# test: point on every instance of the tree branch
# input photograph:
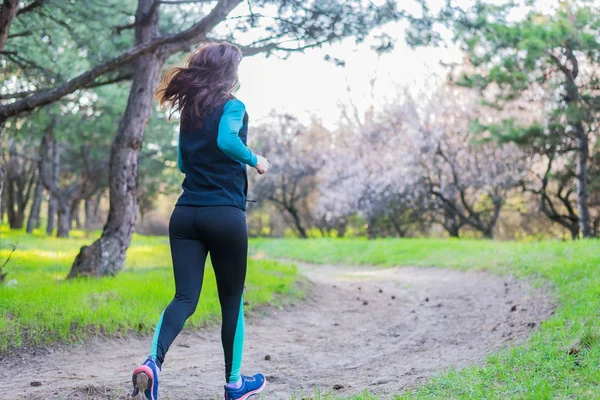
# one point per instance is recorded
(19, 34)
(30, 7)
(167, 45)
(126, 76)
(175, 2)
(120, 28)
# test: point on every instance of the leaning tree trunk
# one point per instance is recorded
(297, 222)
(106, 256)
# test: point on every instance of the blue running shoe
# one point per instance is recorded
(251, 385)
(145, 380)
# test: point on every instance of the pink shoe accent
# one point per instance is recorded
(148, 371)
(252, 393)
(145, 369)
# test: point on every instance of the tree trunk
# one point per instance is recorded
(397, 227)
(7, 14)
(15, 218)
(53, 202)
(106, 256)
(75, 211)
(142, 220)
(297, 222)
(582, 181)
(64, 218)
(2, 206)
(92, 208)
(488, 231)
(34, 214)
(451, 225)
(2, 175)
(574, 230)
(371, 229)
(20, 181)
(52, 206)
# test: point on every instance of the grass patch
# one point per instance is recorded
(39, 307)
(560, 361)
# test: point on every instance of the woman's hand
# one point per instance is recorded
(262, 165)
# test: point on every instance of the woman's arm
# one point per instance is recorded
(228, 138)
(179, 160)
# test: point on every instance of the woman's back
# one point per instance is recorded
(213, 178)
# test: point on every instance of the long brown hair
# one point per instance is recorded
(207, 80)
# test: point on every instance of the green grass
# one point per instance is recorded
(539, 369)
(44, 308)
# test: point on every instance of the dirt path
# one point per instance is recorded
(360, 328)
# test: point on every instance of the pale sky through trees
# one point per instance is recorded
(306, 85)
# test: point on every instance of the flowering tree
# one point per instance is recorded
(296, 154)
(468, 180)
(555, 47)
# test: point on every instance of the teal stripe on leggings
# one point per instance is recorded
(154, 349)
(238, 346)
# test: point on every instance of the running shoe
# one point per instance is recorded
(251, 385)
(145, 380)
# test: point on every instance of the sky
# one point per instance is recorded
(306, 85)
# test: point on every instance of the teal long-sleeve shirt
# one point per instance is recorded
(228, 139)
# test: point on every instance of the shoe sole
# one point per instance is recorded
(254, 392)
(143, 378)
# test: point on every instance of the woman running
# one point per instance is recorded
(209, 216)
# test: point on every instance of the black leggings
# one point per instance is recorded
(194, 232)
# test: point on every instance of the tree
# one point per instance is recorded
(557, 50)
(370, 171)
(297, 157)
(21, 174)
(80, 182)
(466, 182)
(297, 26)
(158, 172)
(107, 255)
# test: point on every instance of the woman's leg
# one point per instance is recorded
(188, 253)
(228, 252)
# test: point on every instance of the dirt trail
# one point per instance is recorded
(359, 328)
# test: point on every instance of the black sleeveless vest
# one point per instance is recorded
(212, 178)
